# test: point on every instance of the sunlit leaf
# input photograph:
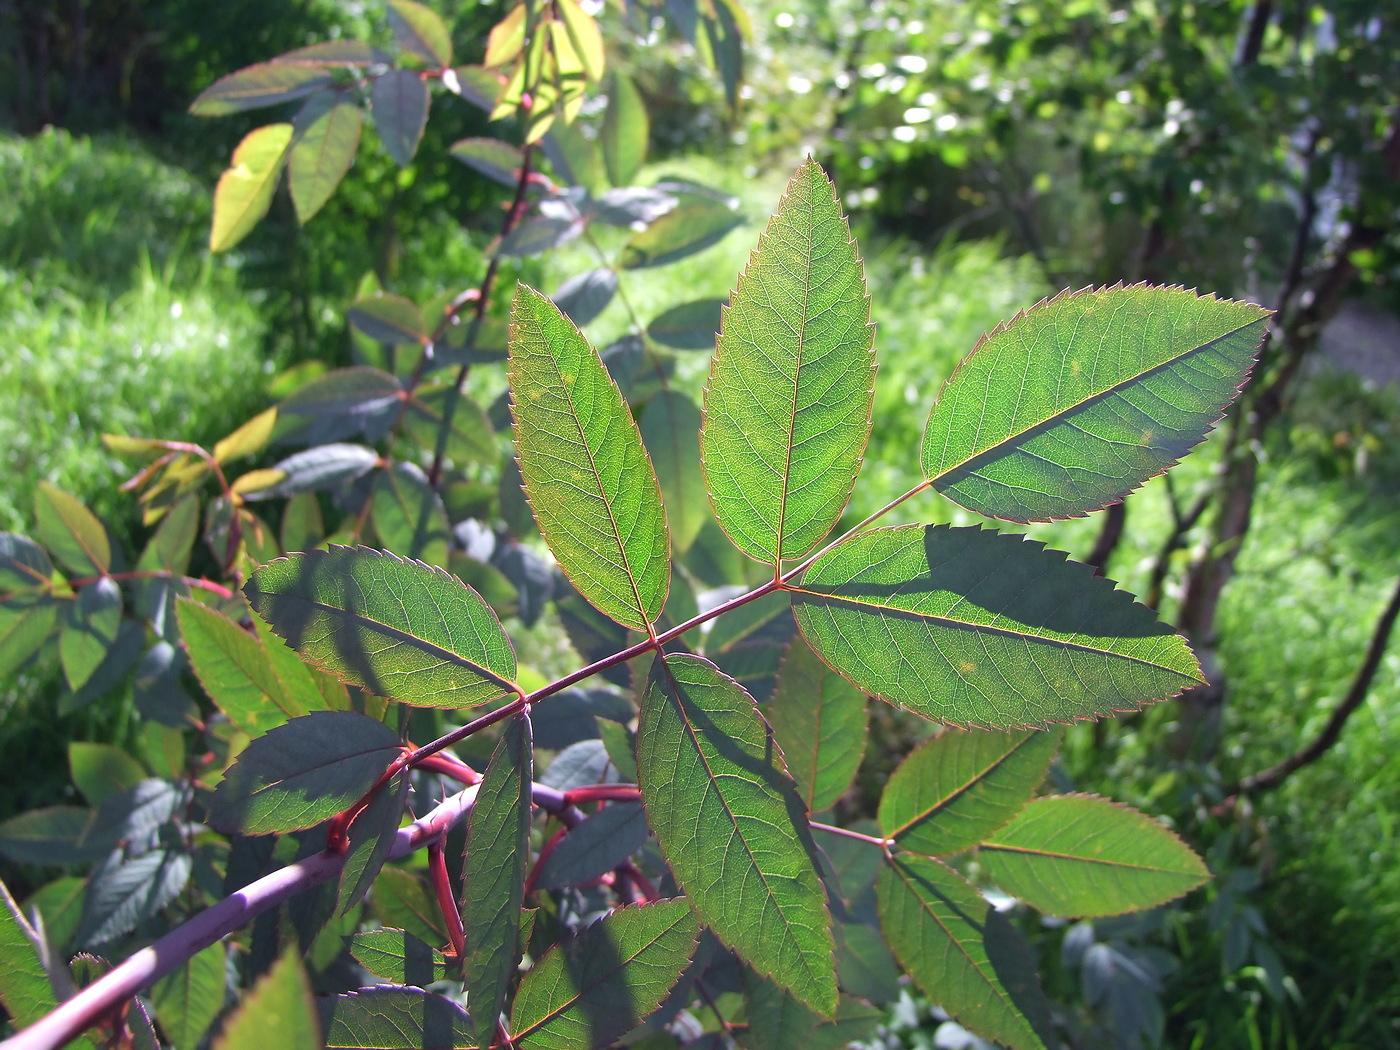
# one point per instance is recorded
(585, 470)
(1074, 403)
(625, 131)
(187, 1000)
(399, 957)
(819, 721)
(70, 531)
(972, 627)
(303, 772)
(264, 84)
(397, 628)
(959, 787)
(585, 35)
(334, 53)
(25, 991)
(420, 32)
(244, 192)
(709, 775)
(507, 37)
(24, 565)
(123, 893)
(589, 991)
(339, 404)
(493, 875)
(278, 1011)
(1078, 856)
(26, 622)
(320, 467)
(327, 134)
(251, 437)
(787, 409)
(937, 925)
(399, 100)
(90, 630)
(777, 1021)
(402, 900)
(469, 437)
(102, 770)
(394, 1019)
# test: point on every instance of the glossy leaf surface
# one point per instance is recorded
(690, 228)
(959, 787)
(397, 628)
(244, 192)
(298, 774)
(493, 874)
(819, 721)
(595, 846)
(589, 991)
(1074, 403)
(587, 474)
(732, 826)
(787, 409)
(495, 159)
(1077, 856)
(971, 627)
(936, 923)
(689, 326)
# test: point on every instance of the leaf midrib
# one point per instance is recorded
(961, 790)
(1058, 855)
(801, 333)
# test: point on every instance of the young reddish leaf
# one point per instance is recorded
(493, 875)
(397, 628)
(244, 192)
(90, 630)
(390, 319)
(399, 957)
(303, 772)
(71, 531)
(399, 100)
(590, 991)
(787, 409)
(960, 786)
(493, 158)
(264, 84)
(1071, 405)
(938, 927)
(187, 1000)
(278, 1011)
(625, 131)
(819, 721)
(585, 470)
(420, 32)
(974, 628)
(683, 231)
(1081, 857)
(394, 1019)
(670, 430)
(327, 134)
(408, 514)
(709, 775)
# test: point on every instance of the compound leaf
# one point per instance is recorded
(90, 631)
(493, 875)
(959, 787)
(244, 192)
(495, 159)
(398, 628)
(937, 926)
(394, 1019)
(787, 409)
(1079, 856)
(589, 991)
(26, 622)
(585, 470)
(819, 721)
(303, 772)
(123, 893)
(732, 827)
(390, 319)
(1071, 405)
(971, 627)
(24, 565)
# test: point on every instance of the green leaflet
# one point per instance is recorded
(732, 827)
(819, 721)
(493, 875)
(959, 787)
(670, 428)
(408, 514)
(244, 192)
(303, 772)
(589, 991)
(370, 836)
(398, 956)
(187, 1000)
(777, 1021)
(278, 1012)
(787, 409)
(394, 1019)
(1071, 405)
(72, 532)
(326, 137)
(974, 628)
(90, 631)
(397, 628)
(941, 930)
(1079, 856)
(585, 470)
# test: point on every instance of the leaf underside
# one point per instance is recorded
(787, 408)
(973, 628)
(729, 820)
(1074, 403)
